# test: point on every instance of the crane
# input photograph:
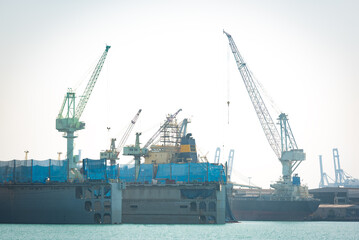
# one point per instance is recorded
(323, 176)
(339, 173)
(114, 151)
(230, 164)
(68, 119)
(168, 121)
(217, 155)
(138, 152)
(342, 179)
(283, 143)
(183, 130)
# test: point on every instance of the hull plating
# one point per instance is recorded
(269, 210)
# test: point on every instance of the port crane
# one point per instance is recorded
(230, 164)
(342, 179)
(217, 155)
(138, 152)
(68, 119)
(283, 143)
(323, 176)
(113, 153)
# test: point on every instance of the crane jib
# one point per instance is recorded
(91, 84)
(260, 108)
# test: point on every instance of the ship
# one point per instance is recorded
(291, 204)
(290, 200)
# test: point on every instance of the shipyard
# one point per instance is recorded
(168, 181)
(195, 120)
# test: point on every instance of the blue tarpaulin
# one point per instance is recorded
(95, 169)
(112, 172)
(146, 173)
(198, 172)
(33, 171)
(191, 172)
(40, 171)
(127, 173)
(23, 171)
(58, 170)
(7, 171)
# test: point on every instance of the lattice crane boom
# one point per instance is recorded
(90, 85)
(124, 138)
(169, 120)
(262, 112)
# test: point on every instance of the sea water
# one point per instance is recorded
(242, 230)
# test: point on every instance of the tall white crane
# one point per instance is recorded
(323, 176)
(230, 164)
(283, 143)
(217, 155)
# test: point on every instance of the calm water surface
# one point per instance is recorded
(243, 230)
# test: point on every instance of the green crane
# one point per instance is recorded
(68, 119)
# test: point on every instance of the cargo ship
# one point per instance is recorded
(270, 205)
(289, 200)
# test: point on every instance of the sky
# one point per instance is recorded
(167, 55)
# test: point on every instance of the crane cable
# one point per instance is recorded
(228, 87)
(265, 93)
(86, 75)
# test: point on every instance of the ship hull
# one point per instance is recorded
(61, 203)
(174, 204)
(272, 210)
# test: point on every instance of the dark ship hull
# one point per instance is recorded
(174, 204)
(61, 203)
(249, 209)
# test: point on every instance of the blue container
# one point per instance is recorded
(296, 180)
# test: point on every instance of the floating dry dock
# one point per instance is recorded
(61, 203)
(174, 203)
(39, 192)
(186, 193)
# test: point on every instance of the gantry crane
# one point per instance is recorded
(217, 155)
(342, 179)
(68, 119)
(138, 152)
(283, 143)
(113, 153)
(230, 164)
(323, 176)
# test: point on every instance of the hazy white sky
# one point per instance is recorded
(168, 55)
